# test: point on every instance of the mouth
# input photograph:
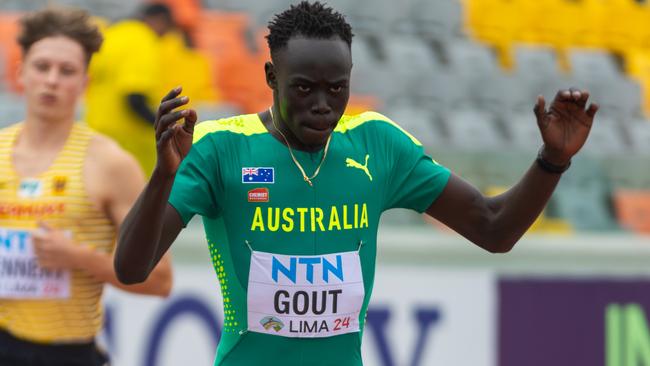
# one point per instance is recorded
(48, 98)
(319, 126)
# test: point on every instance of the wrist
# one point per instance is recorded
(550, 163)
(554, 157)
(161, 175)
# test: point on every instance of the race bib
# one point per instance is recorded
(20, 275)
(305, 296)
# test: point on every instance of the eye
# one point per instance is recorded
(336, 89)
(304, 89)
(41, 66)
(68, 71)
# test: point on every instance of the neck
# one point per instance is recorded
(42, 134)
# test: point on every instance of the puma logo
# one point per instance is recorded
(350, 163)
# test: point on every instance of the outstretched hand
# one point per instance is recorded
(173, 140)
(566, 125)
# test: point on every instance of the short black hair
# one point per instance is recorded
(313, 20)
(157, 9)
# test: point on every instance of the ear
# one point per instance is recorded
(269, 71)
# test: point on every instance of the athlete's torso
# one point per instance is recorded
(58, 197)
(267, 207)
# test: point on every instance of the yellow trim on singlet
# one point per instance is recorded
(348, 123)
(64, 204)
(250, 124)
(247, 124)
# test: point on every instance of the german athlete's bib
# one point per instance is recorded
(305, 296)
(20, 275)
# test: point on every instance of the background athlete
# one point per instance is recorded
(64, 191)
(300, 189)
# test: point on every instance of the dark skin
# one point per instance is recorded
(309, 79)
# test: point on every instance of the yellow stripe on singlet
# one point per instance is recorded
(64, 204)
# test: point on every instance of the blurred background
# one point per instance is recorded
(462, 76)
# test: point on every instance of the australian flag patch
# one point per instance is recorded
(258, 175)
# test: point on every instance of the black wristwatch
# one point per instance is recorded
(550, 167)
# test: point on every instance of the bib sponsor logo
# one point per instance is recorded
(258, 195)
(305, 296)
(30, 188)
(32, 210)
(58, 185)
(20, 275)
(272, 322)
(258, 175)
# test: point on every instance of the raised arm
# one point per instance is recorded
(497, 223)
(152, 224)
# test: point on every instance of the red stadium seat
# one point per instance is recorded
(8, 33)
(633, 210)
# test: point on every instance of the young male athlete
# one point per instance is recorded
(64, 191)
(299, 189)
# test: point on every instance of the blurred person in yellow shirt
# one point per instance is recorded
(191, 68)
(125, 82)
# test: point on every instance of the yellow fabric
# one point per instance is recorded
(249, 124)
(191, 69)
(64, 205)
(128, 62)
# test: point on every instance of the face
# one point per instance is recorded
(310, 81)
(53, 75)
(159, 24)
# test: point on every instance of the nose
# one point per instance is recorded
(321, 106)
(52, 77)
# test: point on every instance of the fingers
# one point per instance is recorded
(190, 121)
(172, 94)
(563, 96)
(591, 111)
(169, 105)
(170, 119)
(582, 100)
(576, 96)
(540, 108)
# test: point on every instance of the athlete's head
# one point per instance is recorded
(310, 70)
(159, 17)
(57, 45)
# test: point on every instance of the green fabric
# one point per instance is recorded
(335, 215)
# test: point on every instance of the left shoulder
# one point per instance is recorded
(376, 123)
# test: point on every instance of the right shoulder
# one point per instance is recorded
(243, 125)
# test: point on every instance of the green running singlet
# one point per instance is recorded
(296, 261)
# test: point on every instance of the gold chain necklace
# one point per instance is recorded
(304, 175)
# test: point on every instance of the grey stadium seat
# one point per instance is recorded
(418, 122)
(472, 129)
(606, 138)
(439, 20)
(587, 64)
(523, 131)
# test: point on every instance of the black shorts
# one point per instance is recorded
(17, 352)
